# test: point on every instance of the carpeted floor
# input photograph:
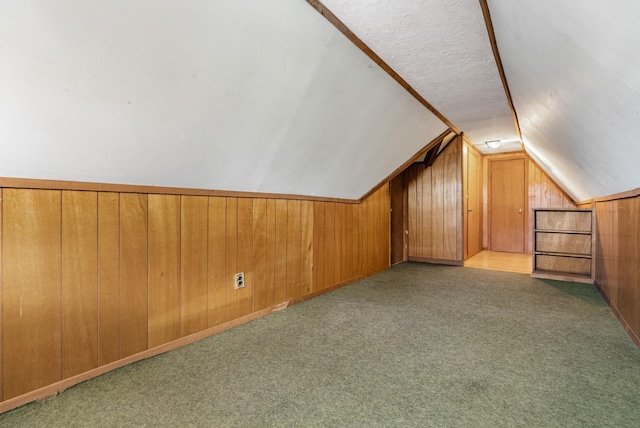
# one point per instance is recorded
(418, 345)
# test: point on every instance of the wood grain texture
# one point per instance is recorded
(579, 221)
(260, 283)
(578, 266)
(306, 247)
(1, 300)
(434, 208)
(217, 243)
(245, 255)
(164, 269)
(294, 240)
(271, 252)
(31, 290)
(231, 267)
(280, 285)
(319, 258)
(563, 243)
(108, 277)
(134, 297)
(147, 271)
(79, 282)
(194, 218)
(507, 202)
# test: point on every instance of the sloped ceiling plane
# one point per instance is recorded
(272, 97)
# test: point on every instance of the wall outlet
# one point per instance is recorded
(239, 280)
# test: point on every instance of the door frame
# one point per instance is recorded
(393, 237)
(503, 157)
(467, 149)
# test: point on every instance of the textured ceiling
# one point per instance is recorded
(574, 74)
(442, 49)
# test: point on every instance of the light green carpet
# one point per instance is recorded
(415, 346)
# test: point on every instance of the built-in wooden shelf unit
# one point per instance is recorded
(564, 244)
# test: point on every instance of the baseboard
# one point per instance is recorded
(632, 334)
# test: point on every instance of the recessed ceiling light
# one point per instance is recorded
(493, 144)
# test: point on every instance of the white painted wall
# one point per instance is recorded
(574, 73)
(229, 95)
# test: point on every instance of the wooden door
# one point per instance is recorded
(473, 188)
(507, 206)
(396, 190)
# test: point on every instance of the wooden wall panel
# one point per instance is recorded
(1, 259)
(306, 232)
(329, 243)
(245, 255)
(79, 282)
(435, 207)
(133, 274)
(194, 218)
(260, 288)
(93, 277)
(217, 260)
(617, 253)
(164, 269)
(108, 277)
(31, 290)
(231, 267)
(319, 258)
(294, 240)
(280, 284)
(271, 252)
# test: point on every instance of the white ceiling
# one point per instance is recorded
(573, 69)
(270, 97)
(442, 49)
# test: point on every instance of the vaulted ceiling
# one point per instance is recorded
(271, 97)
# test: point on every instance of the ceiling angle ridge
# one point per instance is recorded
(333, 19)
(496, 55)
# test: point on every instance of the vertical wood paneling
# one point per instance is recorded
(329, 244)
(1, 323)
(245, 255)
(451, 201)
(271, 252)
(280, 288)
(93, 277)
(260, 288)
(164, 269)
(217, 260)
(319, 259)
(133, 274)
(306, 227)
(79, 282)
(31, 290)
(231, 267)
(435, 207)
(194, 215)
(412, 212)
(627, 298)
(294, 241)
(108, 277)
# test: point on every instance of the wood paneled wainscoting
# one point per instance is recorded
(93, 280)
(618, 255)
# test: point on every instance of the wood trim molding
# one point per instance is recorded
(333, 19)
(496, 54)
(622, 195)
(32, 183)
(408, 163)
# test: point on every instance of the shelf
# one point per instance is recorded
(562, 276)
(571, 232)
(564, 245)
(572, 255)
